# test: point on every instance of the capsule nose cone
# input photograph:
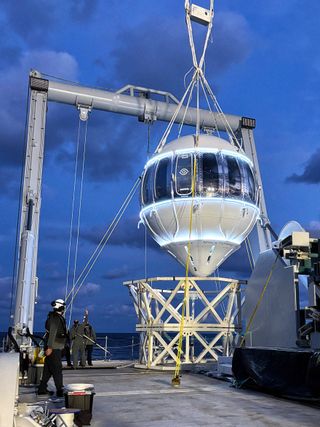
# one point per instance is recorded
(205, 257)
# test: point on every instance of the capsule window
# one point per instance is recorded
(147, 193)
(234, 177)
(210, 174)
(163, 179)
(183, 175)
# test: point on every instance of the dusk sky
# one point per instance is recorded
(263, 62)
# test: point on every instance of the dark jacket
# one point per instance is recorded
(56, 331)
(76, 334)
(90, 333)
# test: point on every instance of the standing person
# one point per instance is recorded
(90, 336)
(66, 352)
(56, 332)
(78, 344)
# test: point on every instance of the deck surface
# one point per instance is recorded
(136, 398)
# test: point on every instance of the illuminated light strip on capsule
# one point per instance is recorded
(154, 205)
(208, 237)
(199, 150)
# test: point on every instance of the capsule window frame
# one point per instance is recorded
(220, 190)
(169, 196)
(177, 156)
(151, 171)
(227, 193)
(245, 182)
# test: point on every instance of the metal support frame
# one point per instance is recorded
(139, 106)
(30, 210)
(246, 134)
(137, 102)
(212, 318)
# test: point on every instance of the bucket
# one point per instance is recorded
(80, 396)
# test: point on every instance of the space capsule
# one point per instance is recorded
(224, 206)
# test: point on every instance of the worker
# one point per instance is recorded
(56, 332)
(66, 352)
(78, 344)
(90, 337)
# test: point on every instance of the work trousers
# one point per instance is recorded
(52, 367)
(89, 349)
(67, 354)
(76, 349)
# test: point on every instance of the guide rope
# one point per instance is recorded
(75, 262)
(145, 228)
(229, 130)
(209, 106)
(72, 208)
(104, 240)
(166, 133)
(186, 108)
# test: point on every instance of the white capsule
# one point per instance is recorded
(224, 207)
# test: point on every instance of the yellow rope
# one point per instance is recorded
(176, 379)
(259, 301)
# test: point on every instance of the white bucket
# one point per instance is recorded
(65, 420)
(79, 387)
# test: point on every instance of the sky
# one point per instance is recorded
(263, 62)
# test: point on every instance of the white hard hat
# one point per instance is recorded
(58, 303)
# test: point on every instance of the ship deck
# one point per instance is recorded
(140, 398)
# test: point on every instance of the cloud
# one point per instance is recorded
(9, 180)
(90, 289)
(112, 149)
(314, 225)
(311, 173)
(36, 21)
(114, 146)
(127, 234)
(276, 8)
(158, 56)
(314, 229)
(116, 273)
(119, 310)
(32, 20)
(13, 87)
(10, 51)
(82, 10)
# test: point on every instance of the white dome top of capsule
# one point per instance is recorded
(224, 207)
(204, 141)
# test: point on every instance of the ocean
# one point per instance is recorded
(121, 346)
